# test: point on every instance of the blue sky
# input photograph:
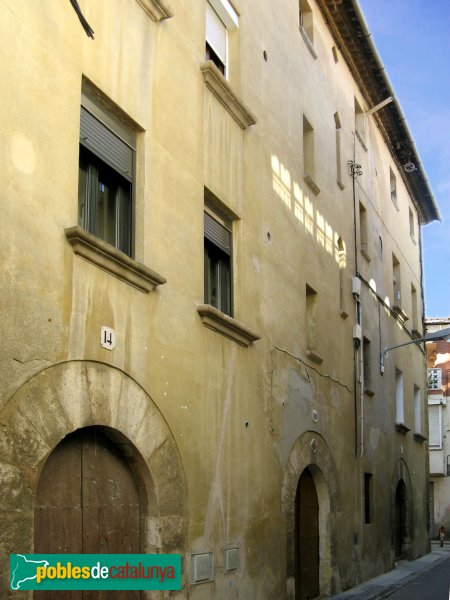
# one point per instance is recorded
(413, 40)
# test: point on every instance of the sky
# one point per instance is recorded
(413, 40)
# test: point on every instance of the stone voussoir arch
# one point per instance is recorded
(401, 474)
(311, 451)
(76, 394)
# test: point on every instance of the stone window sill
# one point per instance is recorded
(311, 184)
(402, 428)
(156, 9)
(308, 43)
(222, 90)
(224, 324)
(419, 438)
(400, 312)
(112, 260)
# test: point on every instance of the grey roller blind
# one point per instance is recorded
(105, 144)
(217, 233)
(216, 33)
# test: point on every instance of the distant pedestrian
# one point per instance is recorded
(442, 534)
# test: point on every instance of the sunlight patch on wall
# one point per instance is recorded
(296, 199)
(281, 180)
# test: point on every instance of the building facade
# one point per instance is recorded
(438, 363)
(210, 230)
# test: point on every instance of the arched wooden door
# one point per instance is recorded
(306, 538)
(87, 502)
(400, 524)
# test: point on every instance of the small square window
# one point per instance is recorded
(217, 257)
(105, 183)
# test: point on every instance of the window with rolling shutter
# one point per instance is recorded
(217, 256)
(105, 182)
(435, 426)
(220, 19)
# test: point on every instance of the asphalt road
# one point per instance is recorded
(432, 585)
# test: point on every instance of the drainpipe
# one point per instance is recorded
(361, 387)
(356, 171)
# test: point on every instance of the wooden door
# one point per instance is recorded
(400, 519)
(307, 538)
(87, 502)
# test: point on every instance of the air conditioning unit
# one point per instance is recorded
(356, 286)
(357, 332)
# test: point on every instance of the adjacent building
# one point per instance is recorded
(210, 231)
(438, 363)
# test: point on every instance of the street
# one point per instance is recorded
(432, 585)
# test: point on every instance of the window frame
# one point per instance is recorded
(399, 397)
(306, 20)
(393, 187)
(431, 439)
(225, 15)
(107, 148)
(218, 252)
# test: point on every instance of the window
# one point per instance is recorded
(435, 426)
(311, 324)
(308, 148)
(368, 503)
(221, 18)
(337, 123)
(306, 20)
(360, 123)
(335, 54)
(412, 226)
(399, 406)
(417, 410)
(363, 232)
(434, 379)
(105, 181)
(308, 155)
(396, 283)
(393, 187)
(217, 253)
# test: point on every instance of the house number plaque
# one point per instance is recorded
(108, 338)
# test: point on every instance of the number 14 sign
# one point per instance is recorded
(108, 338)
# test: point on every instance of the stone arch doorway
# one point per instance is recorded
(401, 529)
(310, 463)
(307, 558)
(70, 396)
